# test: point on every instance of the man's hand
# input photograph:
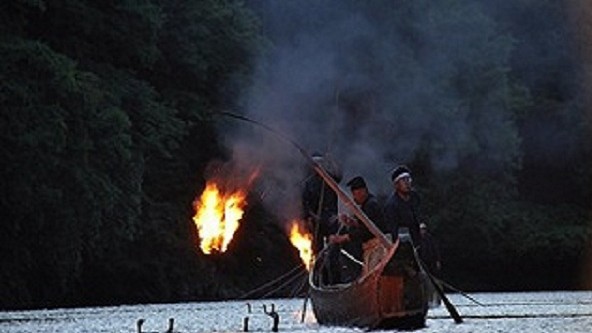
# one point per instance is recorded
(338, 239)
(348, 221)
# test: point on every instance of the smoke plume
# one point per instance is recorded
(371, 85)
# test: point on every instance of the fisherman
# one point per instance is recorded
(402, 207)
(356, 232)
(319, 209)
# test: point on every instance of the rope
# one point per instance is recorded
(270, 283)
(283, 284)
(300, 286)
(449, 286)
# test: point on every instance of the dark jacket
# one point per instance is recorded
(325, 223)
(360, 234)
(372, 209)
(400, 213)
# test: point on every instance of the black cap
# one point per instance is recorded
(356, 182)
(398, 171)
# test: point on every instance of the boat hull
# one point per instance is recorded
(391, 295)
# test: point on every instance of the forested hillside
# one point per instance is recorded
(109, 120)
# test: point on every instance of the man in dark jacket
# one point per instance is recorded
(319, 203)
(319, 209)
(402, 207)
(357, 233)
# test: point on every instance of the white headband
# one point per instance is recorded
(403, 175)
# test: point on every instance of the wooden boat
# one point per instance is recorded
(392, 293)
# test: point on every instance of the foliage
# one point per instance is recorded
(101, 152)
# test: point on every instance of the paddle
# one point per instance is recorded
(451, 309)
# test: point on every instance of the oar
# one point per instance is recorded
(451, 309)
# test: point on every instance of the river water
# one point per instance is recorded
(566, 312)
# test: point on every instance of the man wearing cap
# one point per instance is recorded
(402, 207)
(357, 233)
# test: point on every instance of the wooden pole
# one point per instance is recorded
(304, 306)
(349, 202)
(449, 307)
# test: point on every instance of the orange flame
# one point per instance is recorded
(302, 240)
(217, 216)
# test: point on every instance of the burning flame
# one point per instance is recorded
(217, 216)
(302, 240)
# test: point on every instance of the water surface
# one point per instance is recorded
(568, 312)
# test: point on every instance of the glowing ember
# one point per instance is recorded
(217, 216)
(303, 242)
